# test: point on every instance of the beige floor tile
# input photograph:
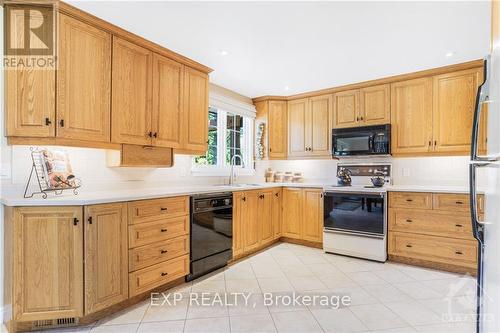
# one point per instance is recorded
(453, 287)
(207, 325)
(377, 317)
(307, 283)
(200, 310)
(417, 290)
(358, 296)
(299, 321)
(324, 269)
(337, 281)
(414, 313)
(241, 270)
(177, 311)
(296, 270)
(209, 286)
(461, 308)
(127, 328)
(130, 315)
(423, 274)
(313, 258)
(393, 275)
(448, 328)
(408, 329)
(260, 323)
(243, 285)
(77, 329)
(254, 305)
(365, 278)
(338, 320)
(162, 327)
(269, 285)
(387, 293)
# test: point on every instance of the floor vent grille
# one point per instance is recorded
(54, 323)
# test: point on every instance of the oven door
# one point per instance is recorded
(355, 213)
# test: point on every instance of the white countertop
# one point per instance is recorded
(89, 197)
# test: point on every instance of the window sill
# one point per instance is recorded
(220, 172)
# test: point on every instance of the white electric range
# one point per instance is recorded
(355, 216)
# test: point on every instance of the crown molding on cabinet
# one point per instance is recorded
(389, 79)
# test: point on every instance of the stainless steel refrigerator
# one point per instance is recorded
(485, 178)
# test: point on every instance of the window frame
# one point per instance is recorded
(222, 168)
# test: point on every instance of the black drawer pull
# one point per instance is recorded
(163, 251)
(459, 202)
(458, 225)
(163, 209)
(163, 230)
(409, 200)
(409, 221)
(408, 245)
(277, 194)
(458, 252)
(47, 121)
(163, 274)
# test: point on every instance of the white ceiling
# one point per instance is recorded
(306, 45)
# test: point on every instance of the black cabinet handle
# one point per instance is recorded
(270, 150)
(90, 219)
(408, 245)
(155, 134)
(357, 118)
(435, 143)
(360, 118)
(321, 195)
(458, 225)
(458, 252)
(47, 121)
(163, 274)
(163, 251)
(430, 143)
(150, 134)
(61, 122)
(75, 221)
(244, 199)
(409, 221)
(277, 194)
(409, 200)
(163, 230)
(459, 202)
(163, 208)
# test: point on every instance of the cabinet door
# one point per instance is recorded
(265, 216)
(83, 82)
(453, 110)
(167, 102)
(277, 127)
(292, 212)
(297, 118)
(411, 116)
(48, 263)
(375, 105)
(251, 224)
(106, 256)
(346, 109)
(30, 93)
(131, 81)
(318, 125)
(239, 211)
(195, 118)
(312, 223)
(277, 207)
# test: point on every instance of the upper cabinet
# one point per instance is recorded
(195, 114)
(309, 127)
(132, 81)
(274, 114)
(454, 98)
(109, 88)
(433, 115)
(362, 107)
(83, 81)
(411, 112)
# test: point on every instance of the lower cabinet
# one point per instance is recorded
(43, 263)
(303, 215)
(255, 221)
(106, 256)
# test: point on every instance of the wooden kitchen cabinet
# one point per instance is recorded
(265, 216)
(106, 256)
(292, 212)
(132, 87)
(411, 116)
(277, 212)
(346, 109)
(250, 222)
(83, 82)
(239, 209)
(30, 93)
(195, 112)
(312, 222)
(277, 129)
(454, 99)
(44, 262)
(167, 102)
(375, 105)
(309, 127)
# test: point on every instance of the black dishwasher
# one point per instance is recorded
(211, 233)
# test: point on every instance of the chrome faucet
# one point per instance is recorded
(232, 175)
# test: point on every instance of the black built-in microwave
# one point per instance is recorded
(366, 140)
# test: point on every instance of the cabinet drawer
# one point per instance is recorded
(147, 233)
(157, 209)
(410, 200)
(154, 276)
(151, 254)
(432, 248)
(430, 223)
(451, 202)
